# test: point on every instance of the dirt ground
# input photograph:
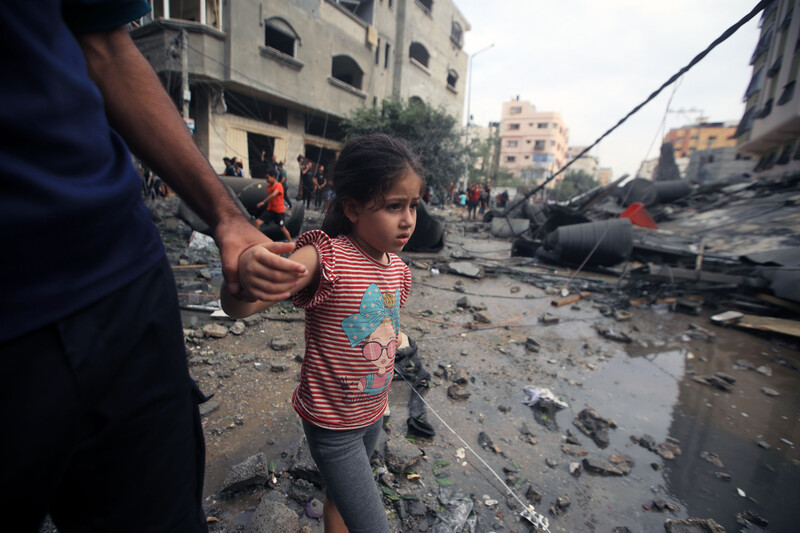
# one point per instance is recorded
(645, 387)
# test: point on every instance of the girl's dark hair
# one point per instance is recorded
(365, 170)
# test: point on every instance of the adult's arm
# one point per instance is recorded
(141, 111)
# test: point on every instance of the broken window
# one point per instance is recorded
(202, 11)
(363, 9)
(457, 34)
(280, 35)
(788, 92)
(511, 158)
(419, 53)
(755, 83)
(452, 78)
(426, 5)
(386, 56)
(512, 144)
(326, 127)
(539, 145)
(247, 106)
(346, 70)
(542, 125)
(513, 126)
(515, 110)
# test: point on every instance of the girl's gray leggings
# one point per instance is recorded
(342, 458)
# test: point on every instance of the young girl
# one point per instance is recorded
(352, 295)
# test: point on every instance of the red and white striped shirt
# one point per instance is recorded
(340, 387)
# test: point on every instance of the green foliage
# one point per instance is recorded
(574, 183)
(432, 133)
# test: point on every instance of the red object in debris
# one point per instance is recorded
(638, 215)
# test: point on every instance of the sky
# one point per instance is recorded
(593, 61)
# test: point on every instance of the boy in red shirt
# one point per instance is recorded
(275, 208)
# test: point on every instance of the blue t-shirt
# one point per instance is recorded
(73, 227)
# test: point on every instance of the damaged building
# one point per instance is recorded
(279, 76)
(770, 127)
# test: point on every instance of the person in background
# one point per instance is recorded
(239, 168)
(307, 184)
(320, 187)
(282, 179)
(230, 169)
(352, 297)
(275, 208)
(102, 426)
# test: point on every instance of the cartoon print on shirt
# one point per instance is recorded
(376, 325)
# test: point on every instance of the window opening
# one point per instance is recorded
(280, 36)
(419, 53)
(457, 34)
(427, 5)
(363, 9)
(452, 78)
(346, 70)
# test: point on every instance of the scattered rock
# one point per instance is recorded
(252, 471)
(400, 455)
(303, 465)
(482, 317)
(457, 392)
(460, 376)
(724, 476)
(216, 331)
(466, 269)
(486, 443)
(712, 458)
(763, 444)
(764, 369)
(575, 469)
(770, 392)
(661, 506)
(208, 407)
(533, 495)
(549, 318)
(751, 517)
(603, 468)
(693, 525)
(614, 335)
(238, 327)
(273, 517)
(594, 426)
(314, 509)
(463, 303)
(532, 345)
(280, 344)
(574, 450)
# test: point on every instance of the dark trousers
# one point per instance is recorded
(100, 420)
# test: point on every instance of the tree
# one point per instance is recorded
(576, 182)
(432, 133)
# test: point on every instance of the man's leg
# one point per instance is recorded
(139, 460)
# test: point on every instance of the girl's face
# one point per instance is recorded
(384, 227)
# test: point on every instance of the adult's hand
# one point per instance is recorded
(278, 276)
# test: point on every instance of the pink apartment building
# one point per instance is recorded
(533, 144)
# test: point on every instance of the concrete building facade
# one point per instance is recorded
(279, 76)
(701, 136)
(769, 130)
(586, 163)
(534, 144)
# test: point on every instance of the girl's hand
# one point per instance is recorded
(266, 276)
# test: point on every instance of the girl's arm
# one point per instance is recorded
(252, 270)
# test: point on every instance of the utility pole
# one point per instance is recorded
(469, 98)
(186, 94)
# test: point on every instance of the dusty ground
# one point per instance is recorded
(644, 386)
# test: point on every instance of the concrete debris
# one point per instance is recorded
(693, 525)
(252, 471)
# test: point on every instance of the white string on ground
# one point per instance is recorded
(541, 520)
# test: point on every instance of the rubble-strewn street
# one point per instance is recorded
(606, 410)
